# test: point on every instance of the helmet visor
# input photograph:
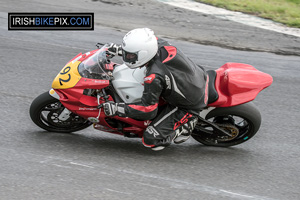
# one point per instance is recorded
(129, 57)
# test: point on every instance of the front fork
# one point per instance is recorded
(65, 114)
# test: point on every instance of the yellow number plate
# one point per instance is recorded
(68, 76)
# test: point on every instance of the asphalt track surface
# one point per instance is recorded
(93, 165)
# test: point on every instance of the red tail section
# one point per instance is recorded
(238, 83)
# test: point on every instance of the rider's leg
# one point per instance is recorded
(166, 127)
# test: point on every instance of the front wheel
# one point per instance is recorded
(45, 111)
(241, 122)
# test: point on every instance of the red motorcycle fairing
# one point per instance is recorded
(238, 83)
(86, 107)
(73, 99)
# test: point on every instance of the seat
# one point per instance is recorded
(212, 92)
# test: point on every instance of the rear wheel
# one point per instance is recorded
(45, 111)
(241, 122)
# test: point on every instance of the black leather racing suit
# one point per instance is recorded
(181, 83)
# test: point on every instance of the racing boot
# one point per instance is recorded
(157, 148)
(184, 132)
(160, 146)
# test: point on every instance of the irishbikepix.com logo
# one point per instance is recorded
(50, 21)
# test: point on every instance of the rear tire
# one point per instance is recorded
(244, 119)
(44, 112)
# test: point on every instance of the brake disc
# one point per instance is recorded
(229, 128)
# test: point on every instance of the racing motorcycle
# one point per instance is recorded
(91, 79)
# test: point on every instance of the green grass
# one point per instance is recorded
(284, 11)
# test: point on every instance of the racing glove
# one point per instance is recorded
(112, 109)
(114, 49)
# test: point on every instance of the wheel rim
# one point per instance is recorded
(49, 116)
(237, 126)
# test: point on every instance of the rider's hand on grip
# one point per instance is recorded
(113, 109)
(110, 108)
(114, 49)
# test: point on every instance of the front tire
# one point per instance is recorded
(242, 121)
(44, 112)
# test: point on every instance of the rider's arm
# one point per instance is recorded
(147, 108)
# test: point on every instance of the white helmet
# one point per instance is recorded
(139, 47)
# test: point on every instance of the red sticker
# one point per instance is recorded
(149, 78)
